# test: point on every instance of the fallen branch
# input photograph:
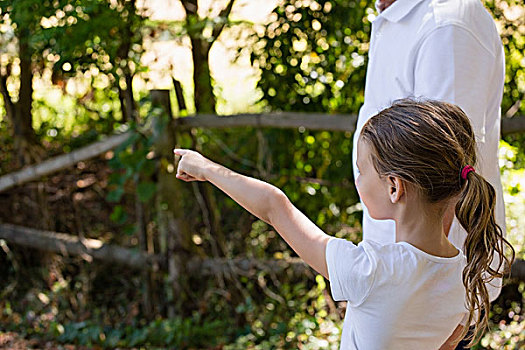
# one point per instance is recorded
(71, 245)
(245, 266)
(52, 165)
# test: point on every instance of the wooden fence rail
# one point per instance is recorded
(311, 121)
(514, 125)
(282, 120)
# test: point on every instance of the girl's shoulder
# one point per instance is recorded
(395, 260)
(405, 250)
(400, 262)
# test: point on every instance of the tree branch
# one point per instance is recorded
(190, 6)
(224, 14)
(8, 103)
(514, 125)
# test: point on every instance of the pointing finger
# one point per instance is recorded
(180, 152)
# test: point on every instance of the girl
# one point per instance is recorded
(414, 159)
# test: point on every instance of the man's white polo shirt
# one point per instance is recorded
(445, 50)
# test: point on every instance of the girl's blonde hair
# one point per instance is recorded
(427, 144)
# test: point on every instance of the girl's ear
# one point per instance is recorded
(396, 189)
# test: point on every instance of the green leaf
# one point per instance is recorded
(115, 195)
(146, 190)
(130, 229)
(118, 178)
(148, 168)
(118, 215)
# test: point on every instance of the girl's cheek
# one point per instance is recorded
(359, 180)
(358, 185)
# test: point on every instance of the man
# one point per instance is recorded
(447, 50)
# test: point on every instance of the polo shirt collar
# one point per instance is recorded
(398, 10)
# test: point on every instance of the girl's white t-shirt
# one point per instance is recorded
(398, 297)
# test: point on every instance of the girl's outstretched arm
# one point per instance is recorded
(263, 200)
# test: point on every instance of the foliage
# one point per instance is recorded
(24, 18)
(298, 314)
(312, 167)
(133, 163)
(507, 330)
(317, 50)
(513, 178)
(313, 328)
(62, 123)
(509, 15)
(177, 332)
(507, 324)
(75, 47)
(165, 333)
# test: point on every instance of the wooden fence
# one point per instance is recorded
(95, 249)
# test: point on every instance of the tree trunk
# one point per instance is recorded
(179, 94)
(131, 108)
(24, 136)
(205, 101)
(122, 100)
(203, 94)
(127, 103)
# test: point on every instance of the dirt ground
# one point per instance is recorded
(14, 341)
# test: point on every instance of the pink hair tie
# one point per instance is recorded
(466, 169)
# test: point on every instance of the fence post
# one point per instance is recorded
(173, 231)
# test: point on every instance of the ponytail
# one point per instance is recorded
(484, 244)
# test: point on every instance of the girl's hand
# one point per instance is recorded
(192, 165)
